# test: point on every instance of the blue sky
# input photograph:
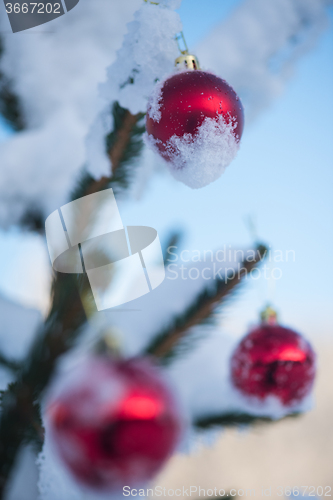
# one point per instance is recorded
(282, 178)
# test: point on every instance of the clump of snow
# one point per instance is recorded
(25, 275)
(39, 166)
(197, 160)
(18, 327)
(55, 70)
(155, 102)
(147, 55)
(54, 480)
(98, 161)
(22, 484)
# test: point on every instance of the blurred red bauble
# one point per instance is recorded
(114, 423)
(181, 104)
(274, 361)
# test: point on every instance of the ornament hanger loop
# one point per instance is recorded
(185, 60)
(181, 37)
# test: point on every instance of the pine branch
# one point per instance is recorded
(166, 343)
(173, 242)
(234, 419)
(10, 107)
(123, 145)
(33, 220)
(11, 364)
(20, 418)
(71, 294)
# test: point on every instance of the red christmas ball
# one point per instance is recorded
(114, 423)
(177, 111)
(274, 361)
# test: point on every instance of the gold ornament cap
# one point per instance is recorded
(269, 316)
(187, 61)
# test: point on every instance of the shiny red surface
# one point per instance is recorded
(187, 99)
(274, 361)
(126, 440)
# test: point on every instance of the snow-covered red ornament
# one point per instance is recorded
(113, 423)
(195, 121)
(274, 361)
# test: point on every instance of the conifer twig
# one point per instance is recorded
(123, 144)
(10, 107)
(11, 364)
(234, 419)
(165, 343)
(20, 415)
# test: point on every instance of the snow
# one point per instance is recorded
(18, 326)
(155, 101)
(148, 54)
(55, 71)
(55, 481)
(201, 159)
(98, 161)
(39, 182)
(25, 275)
(23, 483)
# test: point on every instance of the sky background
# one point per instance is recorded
(282, 178)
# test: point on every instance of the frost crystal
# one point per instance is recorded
(201, 159)
(147, 55)
(155, 102)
